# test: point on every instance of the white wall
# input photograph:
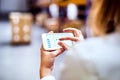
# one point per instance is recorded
(13, 5)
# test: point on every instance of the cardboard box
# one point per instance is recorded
(21, 27)
(52, 24)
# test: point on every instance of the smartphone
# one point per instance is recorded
(50, 40)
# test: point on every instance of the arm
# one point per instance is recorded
(76, 67)
(48, 57)
(47, 62)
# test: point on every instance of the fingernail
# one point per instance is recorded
(51, 32)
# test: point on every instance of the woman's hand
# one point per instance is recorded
(48, 57)
(77, 37)
(47, 61)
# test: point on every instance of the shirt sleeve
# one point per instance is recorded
(50, 77)
(76, 68)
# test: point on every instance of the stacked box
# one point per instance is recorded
(40, 18)
(21, 27)
(78, 24)
(52, 24)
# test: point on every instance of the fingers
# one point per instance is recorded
(76, 32)
(63, 45)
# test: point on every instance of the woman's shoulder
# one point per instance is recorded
(85, 47)
(97, 47)
(100, 42)
(91, 56)
(89, 43)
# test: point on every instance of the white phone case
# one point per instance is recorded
(50, 40)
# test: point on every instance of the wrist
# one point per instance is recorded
(45, 72)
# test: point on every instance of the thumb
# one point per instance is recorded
(58, 52)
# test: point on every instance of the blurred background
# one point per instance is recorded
(21, 24)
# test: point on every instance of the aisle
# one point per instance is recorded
(19, 62)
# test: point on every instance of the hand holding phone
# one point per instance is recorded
(50, 40)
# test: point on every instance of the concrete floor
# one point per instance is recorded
(19, 62)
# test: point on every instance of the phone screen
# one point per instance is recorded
(50, 41)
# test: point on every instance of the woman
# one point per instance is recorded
(96, 58)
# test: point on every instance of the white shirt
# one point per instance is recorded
(93, 59)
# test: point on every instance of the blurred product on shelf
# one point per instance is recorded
(52, 24)
(21, 27)
(66, 2)
(49, 21)
(54, 10)
(79, 24)
(72, 18)
(44, 3)
(72, 11)
(40, 18)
